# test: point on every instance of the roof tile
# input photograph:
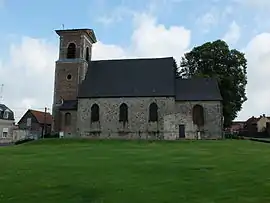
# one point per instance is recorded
(40, 116)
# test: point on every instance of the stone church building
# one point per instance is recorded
(129, 98)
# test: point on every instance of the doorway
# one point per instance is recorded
(182, 131)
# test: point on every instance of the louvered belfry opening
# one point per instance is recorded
(71, 51)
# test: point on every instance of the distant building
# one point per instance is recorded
(6, 124)
(36, 123)
(236, 127)
(257, 124)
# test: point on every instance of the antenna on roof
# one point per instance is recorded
(63, 26)
(1, 93)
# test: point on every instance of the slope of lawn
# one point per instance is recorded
(84, 171)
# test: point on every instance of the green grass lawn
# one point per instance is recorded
(84, 171)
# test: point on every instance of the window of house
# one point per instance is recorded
(28, 122)
(5, 133)
(87, 54)
(123, 113)
(67, 119)
(153, 112)
(1, 112)
(198, 115)
(6, 114)
(94, 113)
(71, 51)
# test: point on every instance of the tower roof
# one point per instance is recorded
(89, 32)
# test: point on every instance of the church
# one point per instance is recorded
(129, 98)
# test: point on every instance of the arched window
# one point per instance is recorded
(198, 115)
(153, 112)
(87, 54)
(71, 51)
(67, 119)
(94, 113)
(123, 114)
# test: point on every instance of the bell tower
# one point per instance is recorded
(75, 50)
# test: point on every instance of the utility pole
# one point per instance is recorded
(45, 123)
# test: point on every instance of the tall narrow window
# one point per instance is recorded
(198, 115)
(87, 54)
(123, 114)
(94, 113)
(71, 51)
(6, 114)
(67, 119)
(153, 112)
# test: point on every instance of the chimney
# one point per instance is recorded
(264, 115)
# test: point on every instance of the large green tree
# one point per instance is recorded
(229, 67)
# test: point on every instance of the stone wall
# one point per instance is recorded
(171, 114)
(212, 117)
(138, 115)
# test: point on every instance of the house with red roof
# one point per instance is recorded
(36, 122)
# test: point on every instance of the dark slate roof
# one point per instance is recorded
(4, 108)
(197, 89)
(69, 105)
(129, 78)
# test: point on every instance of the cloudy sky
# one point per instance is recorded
(125, 29)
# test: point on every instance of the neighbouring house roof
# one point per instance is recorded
(197, 89)
(145, 77)
(40, 116)
(252, 120)
(4, 108)
(238, 122)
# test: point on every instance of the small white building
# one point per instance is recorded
(6, 124)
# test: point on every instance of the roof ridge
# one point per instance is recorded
(130, 59)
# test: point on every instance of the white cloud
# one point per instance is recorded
(233, 34)
(149, 39)
(258, 91)
(155, 40)
(29, 73)
(209, 19)
(115, 15)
